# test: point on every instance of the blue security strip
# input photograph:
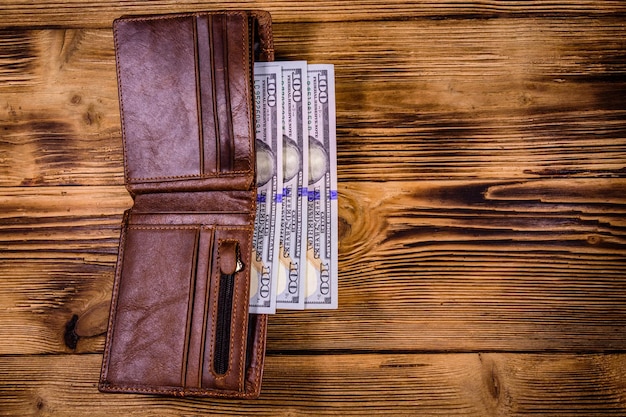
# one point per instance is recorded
(314, 195)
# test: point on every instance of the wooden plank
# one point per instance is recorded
(69, 134)
(58, 247)
(496, 99)
(77, 13)
(484, 99)
(348, 385)
(482, 160)
(449, 265)
(67, 201)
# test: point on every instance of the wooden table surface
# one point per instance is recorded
(482, 193)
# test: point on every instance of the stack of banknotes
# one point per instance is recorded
(294, 259)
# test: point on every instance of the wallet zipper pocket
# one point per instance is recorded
(224, 315)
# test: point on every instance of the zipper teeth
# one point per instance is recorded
(224, 315)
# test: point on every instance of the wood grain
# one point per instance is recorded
(482, 168)
(71, 133)
(348, 385)
(510, 98)
(73, 13)
(452, 265)
(499, 99)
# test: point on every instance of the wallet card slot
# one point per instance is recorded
(207, 93)
(200, 202)
(187, 218)
(154, 121)
(255, 353)
(153, 289)
(228, 208)
(223, 139)
(199, 302)
(190, 304)
(240, 92)
(224, 100)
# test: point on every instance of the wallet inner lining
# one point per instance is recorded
(206, 58)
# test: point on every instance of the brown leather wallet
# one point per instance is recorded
(179, 321)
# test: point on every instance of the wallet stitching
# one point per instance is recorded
(157, 227)
(121, 96)
(244, 329)
(190, 307)
(260, 349)
(229, 135)
(206, 312)
(245, 36)
(179, 392)
(214, 319)
(243, 332)
(201, 176)
(234, 308)
(114, 302)
(196, 53)
(106, 386)
(214, 276)
(265, 24)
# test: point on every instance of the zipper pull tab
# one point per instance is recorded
(230, 257)
(240, 264)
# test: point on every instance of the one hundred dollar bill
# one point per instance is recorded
(269, 150)
(322, 231)
(292, 265)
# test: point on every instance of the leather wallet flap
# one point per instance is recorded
(185, 99)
